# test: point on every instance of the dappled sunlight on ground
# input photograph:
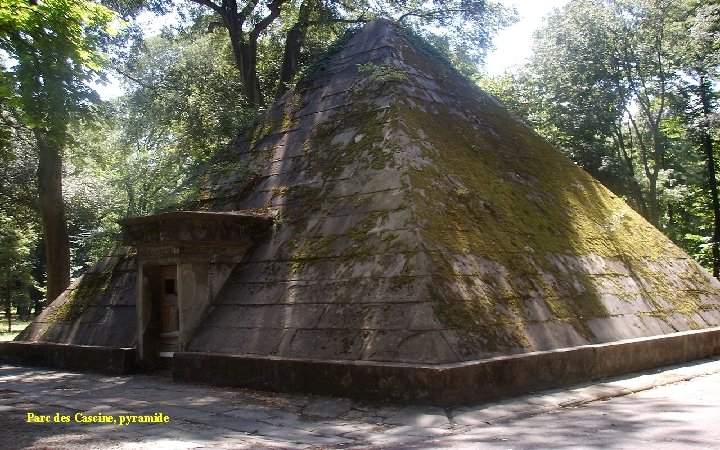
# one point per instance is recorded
(657, 408)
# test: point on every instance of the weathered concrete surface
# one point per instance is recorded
(447, 384)
(193, 228)
(98, 309)
(91, 358)
(670, 408)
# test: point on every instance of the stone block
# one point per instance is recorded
(268, 292)
(701, 344)
(418, 347)
(419, 416)
(536, 309)
(322, 344)
(115, 361)
(266, 316)
(623, 303)
(655, 325)
(424, 318)
(550, 335)
(366, 316)
(614, 328)
(258, 341)
(637, 354)
(330, 408)
(711, 316)
(94, 314)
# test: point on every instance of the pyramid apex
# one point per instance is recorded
(381, 22)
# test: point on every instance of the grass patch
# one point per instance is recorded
(17, 326)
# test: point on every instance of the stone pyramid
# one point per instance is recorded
(415, 221)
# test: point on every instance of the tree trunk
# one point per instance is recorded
(294, 42)
(52, 213)
(712, 179)
(246, 62)
(252, 82)
(650, 172)
(244, 44)
(654, 201)
(8, 307)
(291, 57)
(636, 192)
(245, 54)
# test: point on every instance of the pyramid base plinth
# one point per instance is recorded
(457, 384)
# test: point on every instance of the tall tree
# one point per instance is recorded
(698, 54)
(16, 242)
(56, 48)
(18, 221)
(643, 53)
(245, 22)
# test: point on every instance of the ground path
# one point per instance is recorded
(676, 407)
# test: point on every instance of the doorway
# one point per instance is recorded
(169, 313)
(160, 316)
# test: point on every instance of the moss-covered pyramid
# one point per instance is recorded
(417, 221)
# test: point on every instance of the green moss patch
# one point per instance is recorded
(510, 198)
(91, 287)
(89, 291)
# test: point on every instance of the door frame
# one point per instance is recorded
(149, 310)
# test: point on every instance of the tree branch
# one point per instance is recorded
(274, 8)
(249, 8)
(136, 80)
(212, 5)
(434, 14)
(325, 22)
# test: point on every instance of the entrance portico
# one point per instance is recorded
(184, 259)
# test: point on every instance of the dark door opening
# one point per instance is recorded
(161, 337)
(169, 316)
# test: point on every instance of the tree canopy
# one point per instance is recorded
(288, 28)
(54, 49)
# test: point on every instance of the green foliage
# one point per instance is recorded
(18, 325)
(183, 93)
(181, 107)
(323, 55)
(437, 47)
(451, 25)
(56, 47)
(19, 161)
(267, 36)
(17, 240)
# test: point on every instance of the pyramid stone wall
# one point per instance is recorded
(97, 309)
(417, 221)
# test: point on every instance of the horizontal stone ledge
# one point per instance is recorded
(84, 358)
(454, 384)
